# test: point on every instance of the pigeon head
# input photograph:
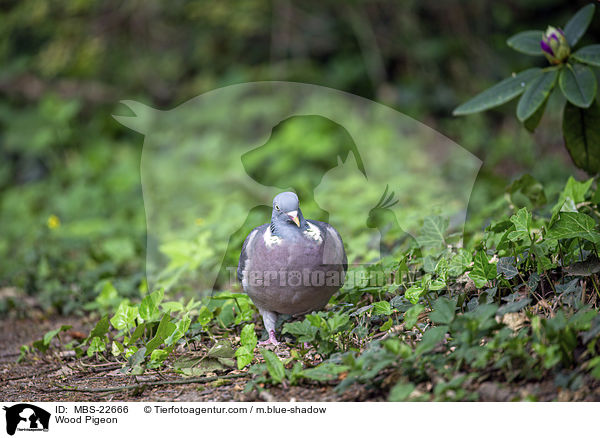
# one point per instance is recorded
(286, 210)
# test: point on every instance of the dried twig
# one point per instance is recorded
(142, 386)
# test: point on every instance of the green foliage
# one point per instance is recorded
(576, 80)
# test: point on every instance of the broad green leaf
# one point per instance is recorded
(181, 328)
(52, 333)
(443, 311)
(588, 55)
(570, 225)
(137, 333)
(578, 84)
(482, 270)
(526, 191)
(573, 193)
(303, 330)
(324, 372)
(222, 349)
(534, 120)
(248, 336)
(159, 355)
(536, 94)
(578, 24)
(149, 306)
(582, 136)
(431, 338)
(274, 365)
(382, 308)
(244, 356)
(522, 221)
(459, 262)
(411, 316)
(506, 267)
(527, 42)
(205, 316)
(413, 293)
(97, 345)
(101, 327)
(401, 391)
(124, 317)
(498, 94)
(117, 348)
(432, 232)
(513, 307)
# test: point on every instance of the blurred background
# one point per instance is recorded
(72, 215)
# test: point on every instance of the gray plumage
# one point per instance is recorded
(291, 265)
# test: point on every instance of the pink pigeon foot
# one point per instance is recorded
(272, 339)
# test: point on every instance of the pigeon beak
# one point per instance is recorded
(294, 216)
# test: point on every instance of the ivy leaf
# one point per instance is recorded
(443, 311)
(432, 232)
(522, 221)
(578, 83)
(274, 365)
(101, 328)
(527, 42)
(413, 293)
(582, 136)
(149, 305)
(382, 308)
(304, 331)
(498, 94)
(482, 270)
(578, 24)
(506, 266)
(124, 317)
(536, 94)
(588, 55)
(573, 193)
(570, 225)
(97, 345)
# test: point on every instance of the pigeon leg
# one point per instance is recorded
(269, 319)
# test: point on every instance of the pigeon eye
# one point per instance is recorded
(276, 207)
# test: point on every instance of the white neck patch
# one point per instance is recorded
(269, 239)
(313, 233)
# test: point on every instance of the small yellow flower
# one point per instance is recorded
(199, 221)
(53, 222)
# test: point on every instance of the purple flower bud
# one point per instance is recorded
(554, 45)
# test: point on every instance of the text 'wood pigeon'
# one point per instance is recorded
(292, 265)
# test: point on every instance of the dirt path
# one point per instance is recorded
(36, 379)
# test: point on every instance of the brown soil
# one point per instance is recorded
(39, 378)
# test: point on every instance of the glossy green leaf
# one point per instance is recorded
(570, 225)
(101, 327)
(274, 365)
(432, 232)
(588, 55)
(499, 94)
(149, 309)
(578, 84)
(382, 308)
(536, 94)
(527, 42)
(303, 330)
(522, 221)
(483, 270)
(534, 120)
(124, 317)
(582, 136)
(578, 24)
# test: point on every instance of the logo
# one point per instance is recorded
(26, 417)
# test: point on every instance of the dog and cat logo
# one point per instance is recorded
(26, 417)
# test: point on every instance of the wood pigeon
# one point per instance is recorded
(292, 265)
